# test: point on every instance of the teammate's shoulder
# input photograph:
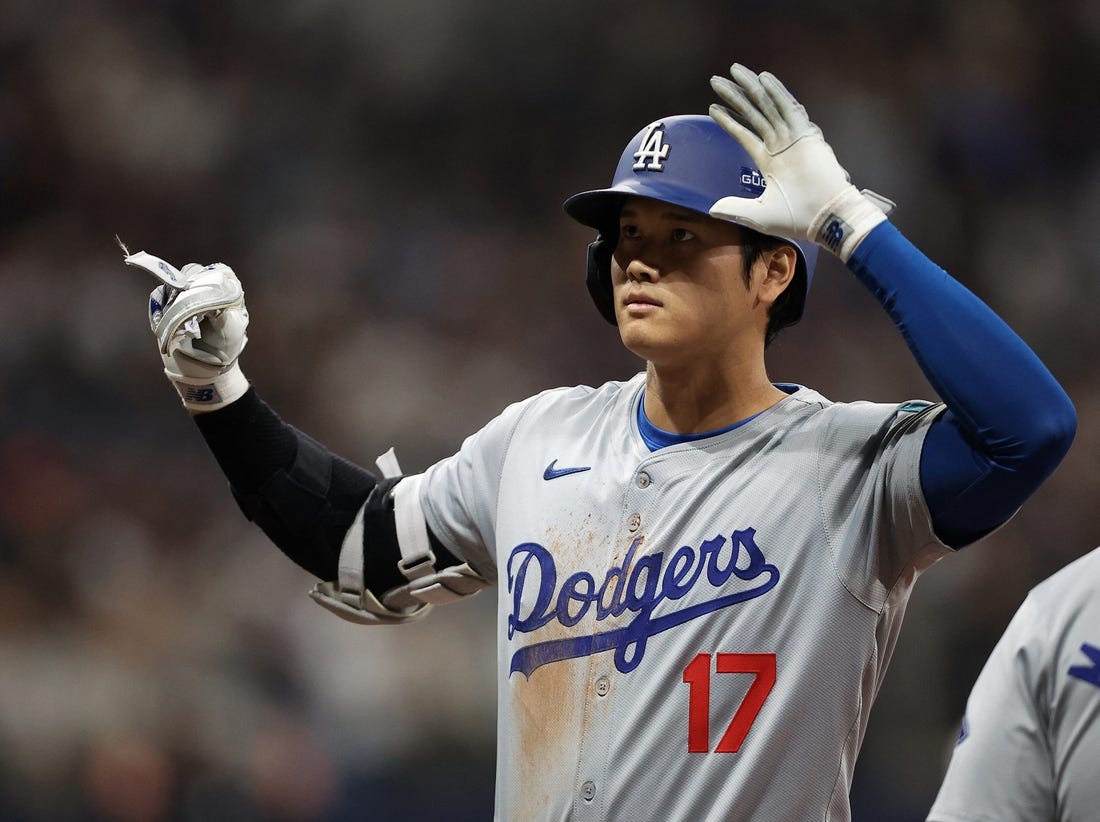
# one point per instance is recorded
(1057, 614)
(1077, 579)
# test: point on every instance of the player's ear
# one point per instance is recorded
(779, 264)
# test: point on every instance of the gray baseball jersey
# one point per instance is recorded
(695, 633)
(1029, 747)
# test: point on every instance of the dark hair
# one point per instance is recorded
(785, 310)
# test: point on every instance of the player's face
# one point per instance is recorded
(680, 290)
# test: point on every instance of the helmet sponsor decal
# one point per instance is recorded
(753, 181)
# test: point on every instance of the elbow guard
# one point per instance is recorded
(427, 585)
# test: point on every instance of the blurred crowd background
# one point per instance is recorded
(386, 178)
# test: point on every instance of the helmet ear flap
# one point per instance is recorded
(598, 277)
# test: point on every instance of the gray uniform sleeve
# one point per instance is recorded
(459, 494)
(876, 518)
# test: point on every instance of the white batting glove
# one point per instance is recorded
(199, 319)
(808, 194)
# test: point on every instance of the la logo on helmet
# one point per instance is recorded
(653, 149)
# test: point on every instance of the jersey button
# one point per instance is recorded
(643, 480)
(635, 522)
(588, 790)
(603, 685)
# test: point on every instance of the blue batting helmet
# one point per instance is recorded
(686, 160)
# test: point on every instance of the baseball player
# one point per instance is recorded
(1029, 746)
(700, 573)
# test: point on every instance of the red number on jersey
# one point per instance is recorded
(697, 676)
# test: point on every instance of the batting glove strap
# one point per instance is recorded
(201, 394)
(847, 219)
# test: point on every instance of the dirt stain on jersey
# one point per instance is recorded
(548, 710)
(548, 706)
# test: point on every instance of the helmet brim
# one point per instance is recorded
(599, 208)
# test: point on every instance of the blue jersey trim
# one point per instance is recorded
(657, 438)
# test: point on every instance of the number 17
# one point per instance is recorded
(697, 676)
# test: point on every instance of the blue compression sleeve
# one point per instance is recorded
(1008, 422)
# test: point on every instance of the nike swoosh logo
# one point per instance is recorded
(553, 473)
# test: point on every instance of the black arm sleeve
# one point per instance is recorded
(304, 497)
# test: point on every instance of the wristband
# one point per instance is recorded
(200, 395)
(846, 219)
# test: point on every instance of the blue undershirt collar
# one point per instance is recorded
(656, 438)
